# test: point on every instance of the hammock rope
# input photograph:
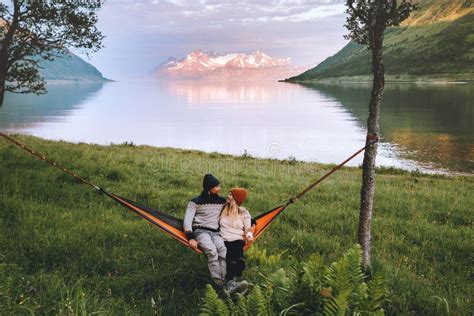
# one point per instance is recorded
(173, 226)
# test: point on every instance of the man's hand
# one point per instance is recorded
(194, 244)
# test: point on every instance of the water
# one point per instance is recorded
(425, 127)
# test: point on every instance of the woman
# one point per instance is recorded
(236, 230)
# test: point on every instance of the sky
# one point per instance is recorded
(142, 34)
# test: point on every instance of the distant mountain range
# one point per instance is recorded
(434, 43)
(199, 65)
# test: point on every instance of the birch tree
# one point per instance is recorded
(366, 23)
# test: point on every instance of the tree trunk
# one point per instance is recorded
(3, 71)
(368, 166)
(2, 92)
(3, 75)
(5, 47)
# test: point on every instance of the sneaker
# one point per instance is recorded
(218, 281)
(234, 287)
(219, 287)
(245, 291)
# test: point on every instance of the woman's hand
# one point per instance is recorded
(193, 244)
(248, 237)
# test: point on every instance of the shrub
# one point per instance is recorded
(342, 289)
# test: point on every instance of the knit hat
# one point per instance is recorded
(239, 195)
(209, 182)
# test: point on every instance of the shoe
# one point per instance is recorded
(244, 291)
(234, 287)
(219, 287)
(218, 282)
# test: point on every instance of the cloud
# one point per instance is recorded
(315, 13)
(141, 34)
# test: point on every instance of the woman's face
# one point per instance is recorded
(230, 198)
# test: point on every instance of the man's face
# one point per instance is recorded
(216, 190)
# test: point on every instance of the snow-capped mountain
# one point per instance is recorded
(235, 66)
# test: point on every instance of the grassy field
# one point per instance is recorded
(64, 247)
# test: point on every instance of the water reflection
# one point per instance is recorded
(421, 125)
(240, 93)
(23, 111)
(432, 124)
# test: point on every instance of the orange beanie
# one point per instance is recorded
(239, 195)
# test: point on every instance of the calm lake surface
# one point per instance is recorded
(425, 127)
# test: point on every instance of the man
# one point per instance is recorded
(201, 225)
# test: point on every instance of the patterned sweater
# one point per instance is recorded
(203, 212)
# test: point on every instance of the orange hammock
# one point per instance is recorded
(173, 226)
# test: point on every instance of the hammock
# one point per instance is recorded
(173, 226)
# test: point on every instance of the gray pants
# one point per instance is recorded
(213, 246)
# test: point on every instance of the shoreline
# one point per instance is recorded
(422, 170)
(78, 81)
(388, 79)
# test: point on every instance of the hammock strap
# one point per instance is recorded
(371, 139)
(52, 163)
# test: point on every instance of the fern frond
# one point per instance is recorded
(346, 279)
(212, 305)
(313, 273)
(376, 296)
(338, 305)
(241, 308)
(281, 286)
(256, 303)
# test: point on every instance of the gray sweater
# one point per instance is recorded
(203, 212)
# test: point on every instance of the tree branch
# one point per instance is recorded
(357, 12)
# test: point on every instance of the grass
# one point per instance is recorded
(65, 248)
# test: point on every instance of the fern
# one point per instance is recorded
(212, 305)
(337, 305)
(280, 287)
(310, 288)
(261, 258)
(256, 303)
(313, 273)
(241, 308)
(346, 290)
(377, 293)
(346, 281)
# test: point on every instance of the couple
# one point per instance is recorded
(220, 227)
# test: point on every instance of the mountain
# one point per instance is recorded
(435, 42)
(199, 65)
(70, 68)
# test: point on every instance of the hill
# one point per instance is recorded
(435, 43)
(70, 68)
